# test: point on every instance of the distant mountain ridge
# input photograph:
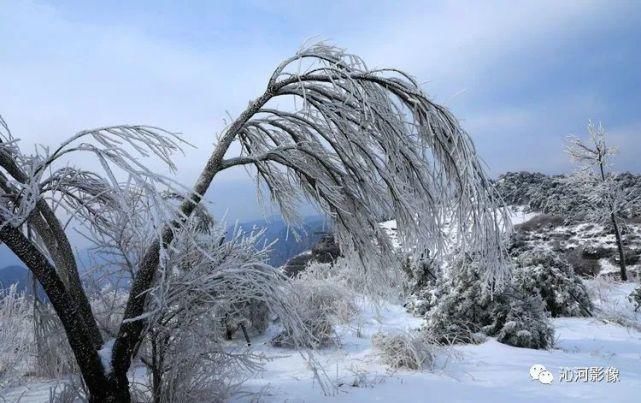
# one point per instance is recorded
(287, 245)
(12, 271)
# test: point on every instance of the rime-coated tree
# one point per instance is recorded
(359, 143)
(548, 274)
(603, 193)
(466, 309)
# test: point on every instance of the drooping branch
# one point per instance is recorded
(33, 189)
(362, 144)
(49, 230)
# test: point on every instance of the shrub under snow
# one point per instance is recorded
(635, 298)
(322, 303)
(547, 273)
(462, 308)
(520, 320)
(405, 350)
(422, 284)
(15, 339)
(466, 310)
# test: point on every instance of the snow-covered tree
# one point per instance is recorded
(520, 320)
(205, 280)
(548, 274)
(467, 309)
(358, 143)
(605, 196)
(15, 348)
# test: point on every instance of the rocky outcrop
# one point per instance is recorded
(326, 250)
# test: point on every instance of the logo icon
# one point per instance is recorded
(539, 373)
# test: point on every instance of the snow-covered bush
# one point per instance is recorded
(54, 358)
(548, 274)
(196, 366)
(467, 309)
(463, 307)
(422, 301)
(520, 320)
(208, 278)
(15, 335)
(422, 287)
(635, 298)
(323, 302)
(409, 350)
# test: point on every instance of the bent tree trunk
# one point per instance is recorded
(101, 387)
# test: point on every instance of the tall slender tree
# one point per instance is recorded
(593, 159)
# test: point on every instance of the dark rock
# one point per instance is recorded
(326, 250)
(297, 264)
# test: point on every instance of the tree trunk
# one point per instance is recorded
(101, 387)
(130, 331)
(156, 369)
(617, 235)
(114, 392)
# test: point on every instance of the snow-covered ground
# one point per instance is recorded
(472, 373)
(488, 372)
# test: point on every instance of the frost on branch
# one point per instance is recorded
(208, 277)
(117, 150)
(361, 144)
(365, 144)
(47, 182)
(15, 338)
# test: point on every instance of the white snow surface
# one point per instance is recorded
(519, 215)
(489, 372)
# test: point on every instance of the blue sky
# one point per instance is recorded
(521, 76)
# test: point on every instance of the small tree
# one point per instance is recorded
(358, 143)
(603, 193)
